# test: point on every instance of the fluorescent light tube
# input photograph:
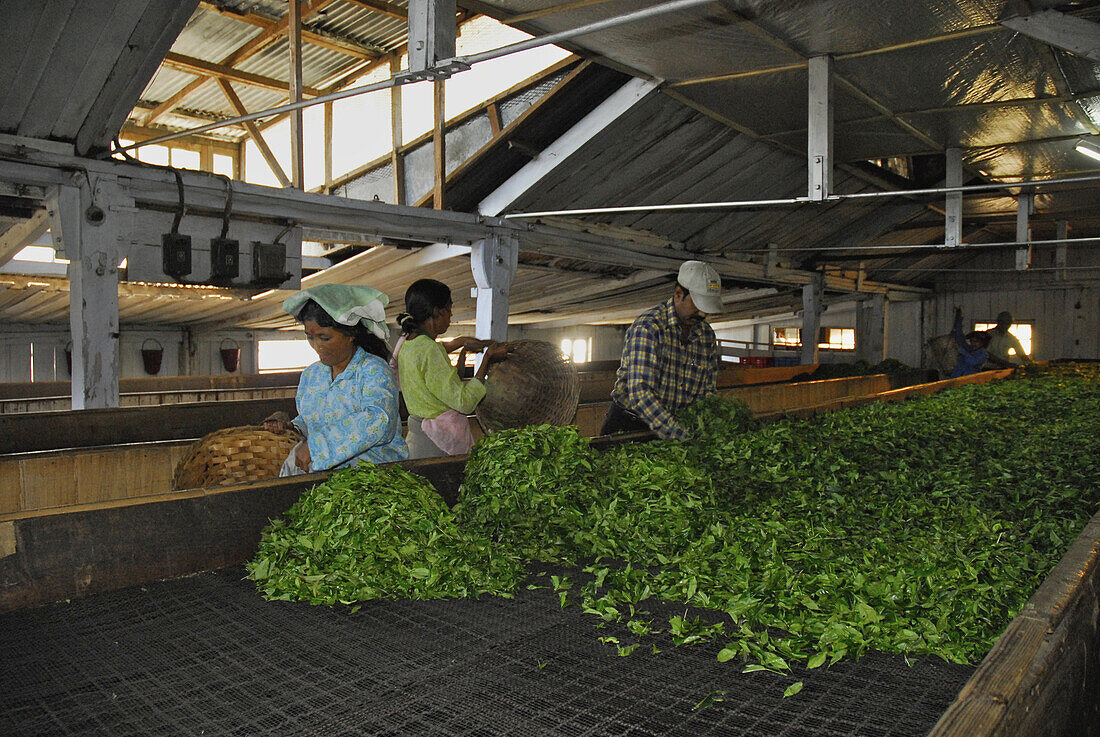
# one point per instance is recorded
(1088, 148)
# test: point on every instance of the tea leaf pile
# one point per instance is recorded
(919, 527)
(376, 532)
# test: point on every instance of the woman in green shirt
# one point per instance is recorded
(437, 399)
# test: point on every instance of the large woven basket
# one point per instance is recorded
(535, 384)
(234, 455)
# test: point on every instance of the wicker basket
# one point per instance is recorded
(536, 384)
(234, 455)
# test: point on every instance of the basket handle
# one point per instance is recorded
(158, 346)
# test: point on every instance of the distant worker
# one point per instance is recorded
(1000, 341)
(972, 348)
(670, 358)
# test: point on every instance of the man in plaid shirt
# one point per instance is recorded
(670, 357)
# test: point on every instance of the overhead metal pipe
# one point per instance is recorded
(804, 200)
(927, 246)
(445, 68)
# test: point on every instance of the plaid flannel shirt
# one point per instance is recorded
(659, 375)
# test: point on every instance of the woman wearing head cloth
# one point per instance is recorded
(437, 399)
(347, 400)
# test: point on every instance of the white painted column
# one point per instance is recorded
(871, 329)
(1025, 206)
(1061, 251)
(812, 306)
(820, 124)
(85, 219)
(952, 226)
(493, 261)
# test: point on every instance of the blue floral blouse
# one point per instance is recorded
(353, 417)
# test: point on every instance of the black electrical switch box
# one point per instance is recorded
(225, 259)
(176, 249)
(269, 263)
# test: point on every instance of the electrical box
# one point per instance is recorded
(176, 254)
(225, 259)
(269, 263)
(432, 32)
(199, 255)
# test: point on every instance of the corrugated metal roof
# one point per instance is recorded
(912, 79)
(71, 70)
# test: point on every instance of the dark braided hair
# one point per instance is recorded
(362, 336)
(422, 299)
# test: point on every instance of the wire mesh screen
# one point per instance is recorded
(514, 106)
(207, 655)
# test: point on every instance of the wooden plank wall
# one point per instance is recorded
(43, 480)
(1064, 312)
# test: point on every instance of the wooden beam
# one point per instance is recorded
(254, 132)
(294, 42)
(248, 50)
(193, 65)
(396, 134)
(18, 236)
(140, 133)
(555, 9)
(439, 137)
(380, 6)
(328, 148)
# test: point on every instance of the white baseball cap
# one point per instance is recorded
(703, 284)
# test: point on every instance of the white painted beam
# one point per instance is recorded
(1025, 206)
(820, 127)
(493, 262)
(614, 107)
(1075, 35)
(88, 228)
(812, 306)
(1061, 251)
(952, 227)
(871, 329)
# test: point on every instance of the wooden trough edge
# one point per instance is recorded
(64, 552)
(1042, 676)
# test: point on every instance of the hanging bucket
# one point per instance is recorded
(231, 354)
(69, 357)
(152, 356)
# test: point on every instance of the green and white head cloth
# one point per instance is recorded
(347, 304)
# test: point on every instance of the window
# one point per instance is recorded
(184, 159)
(843, 339)
(1021, 330)
(453, 356)
(787, 337)
(579, 349)
(284, 355)
(838, 339)
(223, 165)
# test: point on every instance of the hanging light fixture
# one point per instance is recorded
(1088, 148)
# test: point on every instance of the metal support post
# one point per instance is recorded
(432, 33)
(952, 226)
(1025, 206)
(493, 261)
(812, 306)
(820, 136)
(86, 220)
